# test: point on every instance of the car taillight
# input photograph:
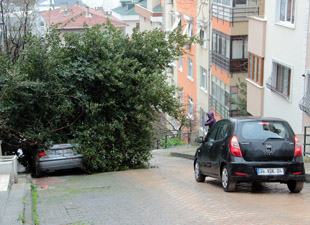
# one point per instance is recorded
(234, 147)
(42, 154)
(297, 147)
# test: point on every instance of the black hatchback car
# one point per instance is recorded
(250, 150)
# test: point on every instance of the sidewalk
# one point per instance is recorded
(16, 204)
(188, 152)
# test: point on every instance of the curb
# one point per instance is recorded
(191, 157)
(182, 155)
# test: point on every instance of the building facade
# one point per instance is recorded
(126, 13)
(150, 15)
(278, 80)
(229, 54)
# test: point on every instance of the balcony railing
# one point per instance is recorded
(233, 14)
(304, 104)
(230, 65)
(219, 108)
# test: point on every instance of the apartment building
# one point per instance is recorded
(150, 15)
(127, 14)
(278, 78)
(229, 53)
(183, 73)
(203, 65)
(304, 104)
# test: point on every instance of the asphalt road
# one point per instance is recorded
(167, 193)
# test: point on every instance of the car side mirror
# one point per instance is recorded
(199, 139)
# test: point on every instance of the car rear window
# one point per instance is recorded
(261, 130)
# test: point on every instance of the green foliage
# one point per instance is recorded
(98, 88)
(166, 143)
(35, 199)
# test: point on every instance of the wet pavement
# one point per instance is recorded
(167, 193)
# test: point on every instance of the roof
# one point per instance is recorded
(59, 2)
(75, 17)
(128, 7)
(158, 9)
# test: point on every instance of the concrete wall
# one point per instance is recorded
(257, 36)
(255, 98)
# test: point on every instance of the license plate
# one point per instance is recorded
(270, 171)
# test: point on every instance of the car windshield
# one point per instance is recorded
(263, 130)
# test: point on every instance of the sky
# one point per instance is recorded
(106, 4)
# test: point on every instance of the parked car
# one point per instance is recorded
(250, 150)
(57, 157)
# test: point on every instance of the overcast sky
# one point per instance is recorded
(106, 4)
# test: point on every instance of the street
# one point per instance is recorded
(167, 193)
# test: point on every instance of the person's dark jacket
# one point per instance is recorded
(211, 120)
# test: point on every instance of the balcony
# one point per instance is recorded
(219, 108)
(233, 14)
(230, 65)
(304, 104)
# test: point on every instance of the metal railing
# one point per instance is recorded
(304, 104)
(305, 140)
(233, 14)
(271, 83)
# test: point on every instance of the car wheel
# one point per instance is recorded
(198, 176)
(227, 184)
(295, 186)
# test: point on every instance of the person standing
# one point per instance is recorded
(211, 120)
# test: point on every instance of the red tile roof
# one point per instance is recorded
(75, 17)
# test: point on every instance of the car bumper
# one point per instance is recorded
(60, 163)
(247, 172)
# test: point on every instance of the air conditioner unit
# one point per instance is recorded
(169, 1)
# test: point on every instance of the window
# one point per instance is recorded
(190, 107)
(203, 78)
(202, 33)
(283, 79)
(176, 20)
(239, 3)
(212, 133)
(256, 68)
(221, 44)
(181, 97)
(304, 104)
(190, 69)
(252, 3)
(280, 79)
(220, 93)
(240, 47)
(287, 11)
(223, 2)
(308, 84)
(181, 63)
(263, 130)
(189, 28)
(224, 130)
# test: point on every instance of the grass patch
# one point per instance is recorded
(34, 192)
(21, 218)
